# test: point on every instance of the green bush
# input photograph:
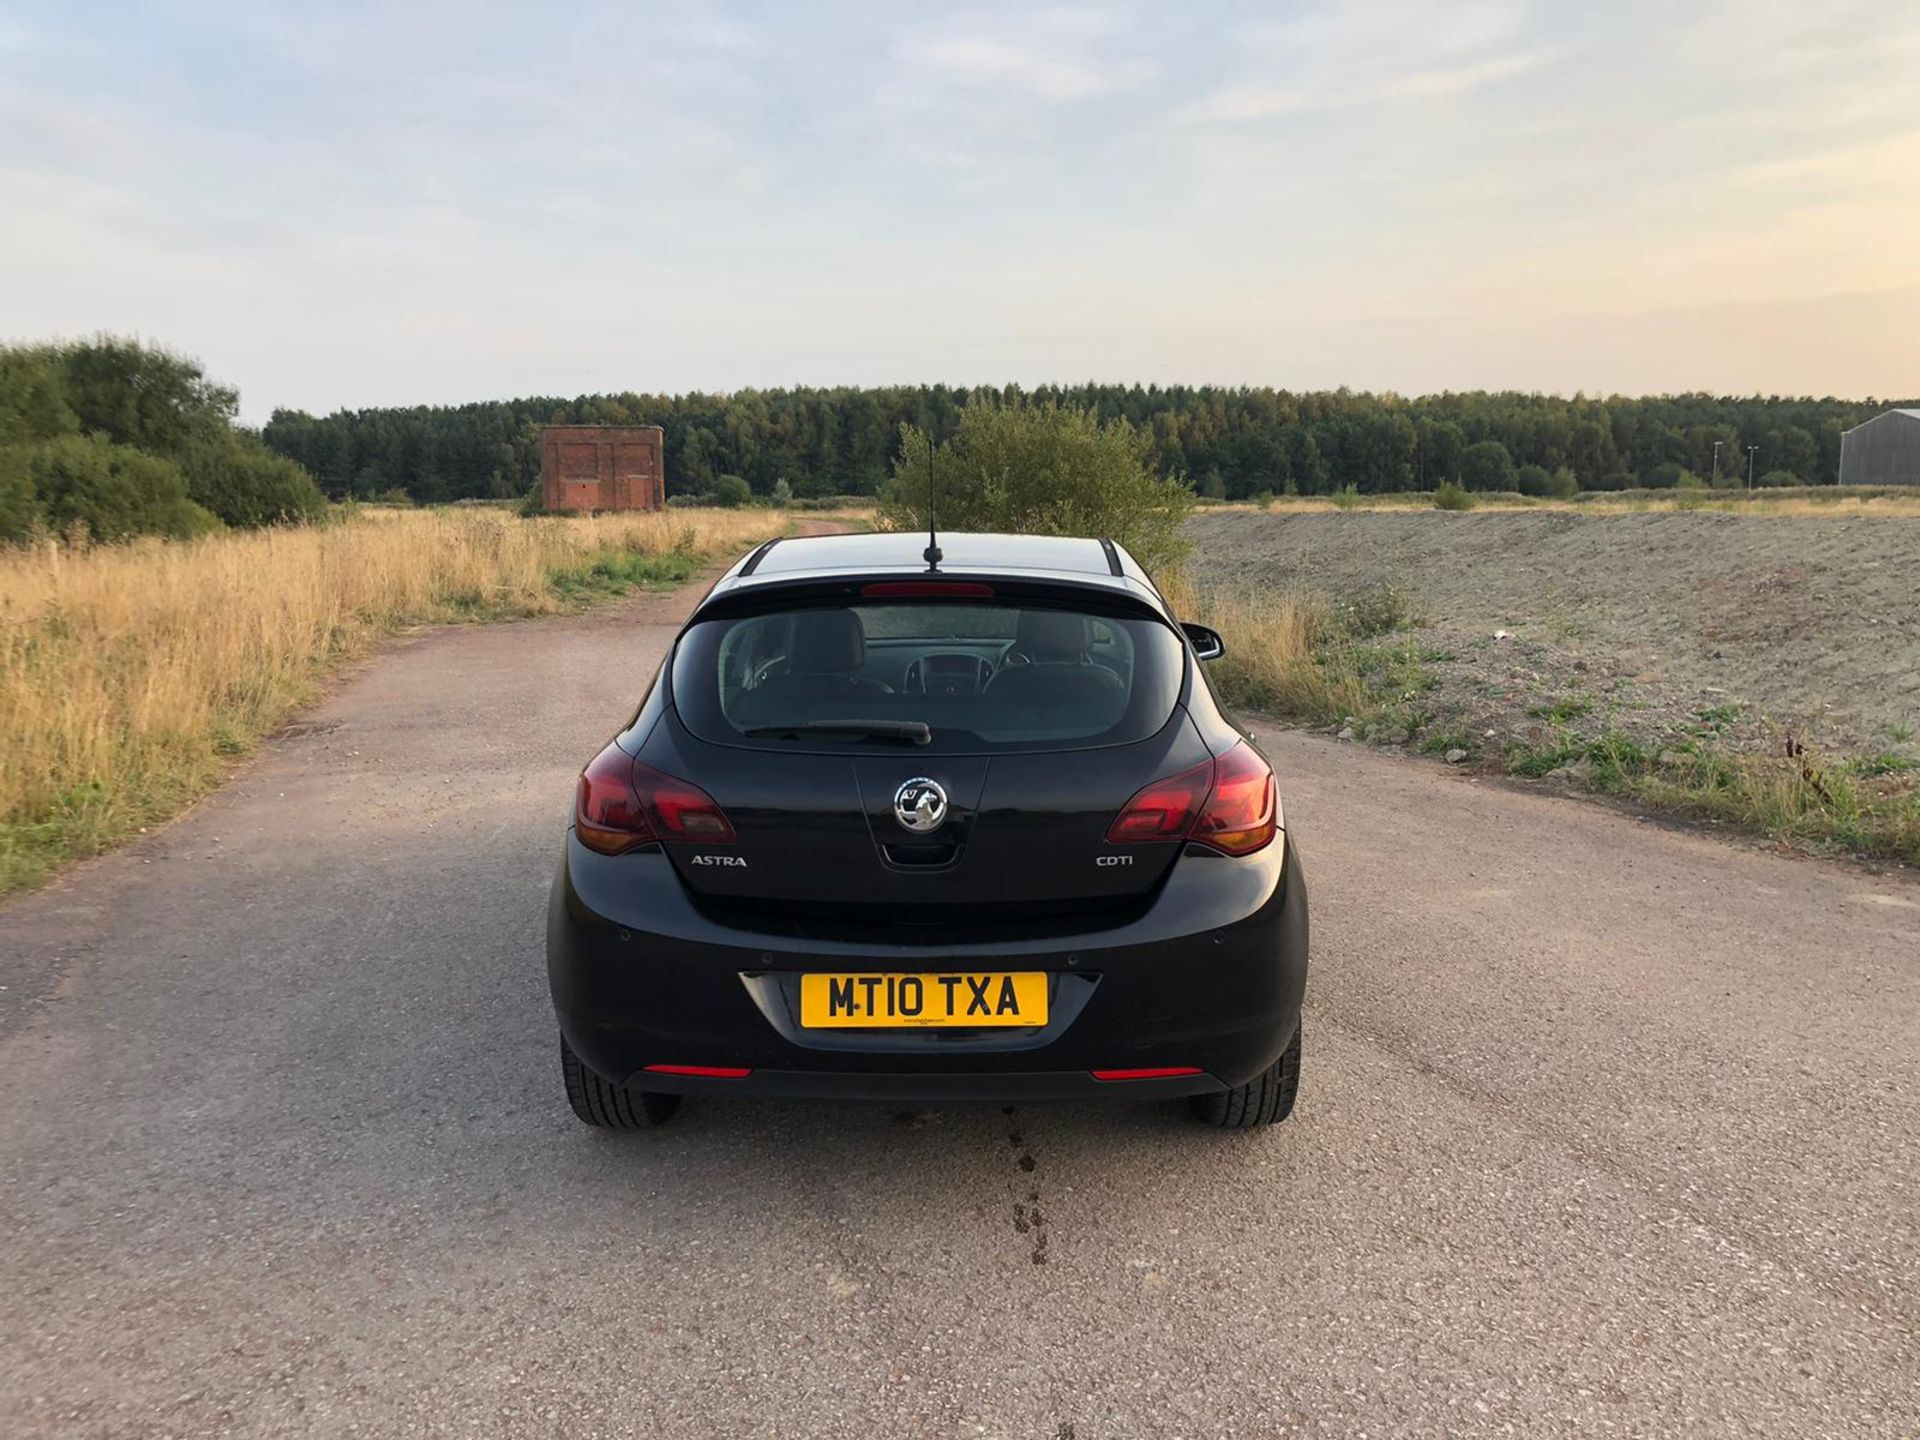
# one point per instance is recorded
(143, 395)
(1687, 480)
(1452, 497)
(1663, 477)
(1346, 497)
(1563, 485)
(1535, 480)
(122, 438)
(1042, 470)
(243, 483)
(1372, 611)
(19, 510)
(782, 491)
(113, 491)
(1487, 466)
(32, 404)
(731, 491)
(1777, 480)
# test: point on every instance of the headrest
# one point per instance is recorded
(827, 642)
(1053, 635)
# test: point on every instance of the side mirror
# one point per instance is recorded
(1206, 641)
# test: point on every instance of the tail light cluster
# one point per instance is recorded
(1228, 803)
(623, 804)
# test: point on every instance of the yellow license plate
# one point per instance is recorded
(829, 1002)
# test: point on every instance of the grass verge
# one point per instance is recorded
(1303, 659)
(131, 676)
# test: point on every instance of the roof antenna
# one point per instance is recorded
(932, 553)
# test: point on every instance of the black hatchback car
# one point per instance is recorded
(882, 830)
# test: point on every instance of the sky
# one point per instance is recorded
(344, 204)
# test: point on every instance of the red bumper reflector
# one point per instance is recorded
(705, 1072)
(1150, 1072)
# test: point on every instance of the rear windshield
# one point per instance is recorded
(979, 677)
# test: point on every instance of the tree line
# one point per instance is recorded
(1230, 443)
(112, 438)
(116, 438)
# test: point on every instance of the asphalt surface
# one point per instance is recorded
(1605, 1128)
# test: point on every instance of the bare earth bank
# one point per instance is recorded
(1656, 624)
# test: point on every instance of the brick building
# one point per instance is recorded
(603, 467)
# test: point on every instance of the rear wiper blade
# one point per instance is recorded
(914, 732)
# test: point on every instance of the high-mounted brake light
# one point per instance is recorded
(622, 804)
(926, 590)
(1229, 804)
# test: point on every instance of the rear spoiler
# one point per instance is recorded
(1099, 595)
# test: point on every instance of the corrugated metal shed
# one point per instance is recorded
(1882, 451)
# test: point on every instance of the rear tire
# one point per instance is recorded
(1267, 1099)
(607, 1106)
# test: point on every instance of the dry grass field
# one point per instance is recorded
(132, 675)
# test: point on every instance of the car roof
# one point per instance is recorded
(1079, 560)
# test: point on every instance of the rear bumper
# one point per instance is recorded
(930, 1088)
(1212, 978)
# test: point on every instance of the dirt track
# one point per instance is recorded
(1807, 622)
(1604, 1129)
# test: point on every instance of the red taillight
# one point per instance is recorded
(1229, 803)
(1148, 1072)
(1242, 814)
(926, 589)
(680, 810)
(623, 804)
(1166, 809)
(704, 1072)
(607, 814)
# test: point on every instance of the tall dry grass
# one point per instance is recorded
(130, 675)
(1279, 649)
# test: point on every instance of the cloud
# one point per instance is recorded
(1236, 103)
(1052, 56)
(999, 99)
(1441, 84)
(970, 61)
(1334, 56)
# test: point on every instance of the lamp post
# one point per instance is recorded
(1752, 450)
(1716, 463)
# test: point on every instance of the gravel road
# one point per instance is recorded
(1605, 1128)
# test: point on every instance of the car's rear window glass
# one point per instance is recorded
(980, 677)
